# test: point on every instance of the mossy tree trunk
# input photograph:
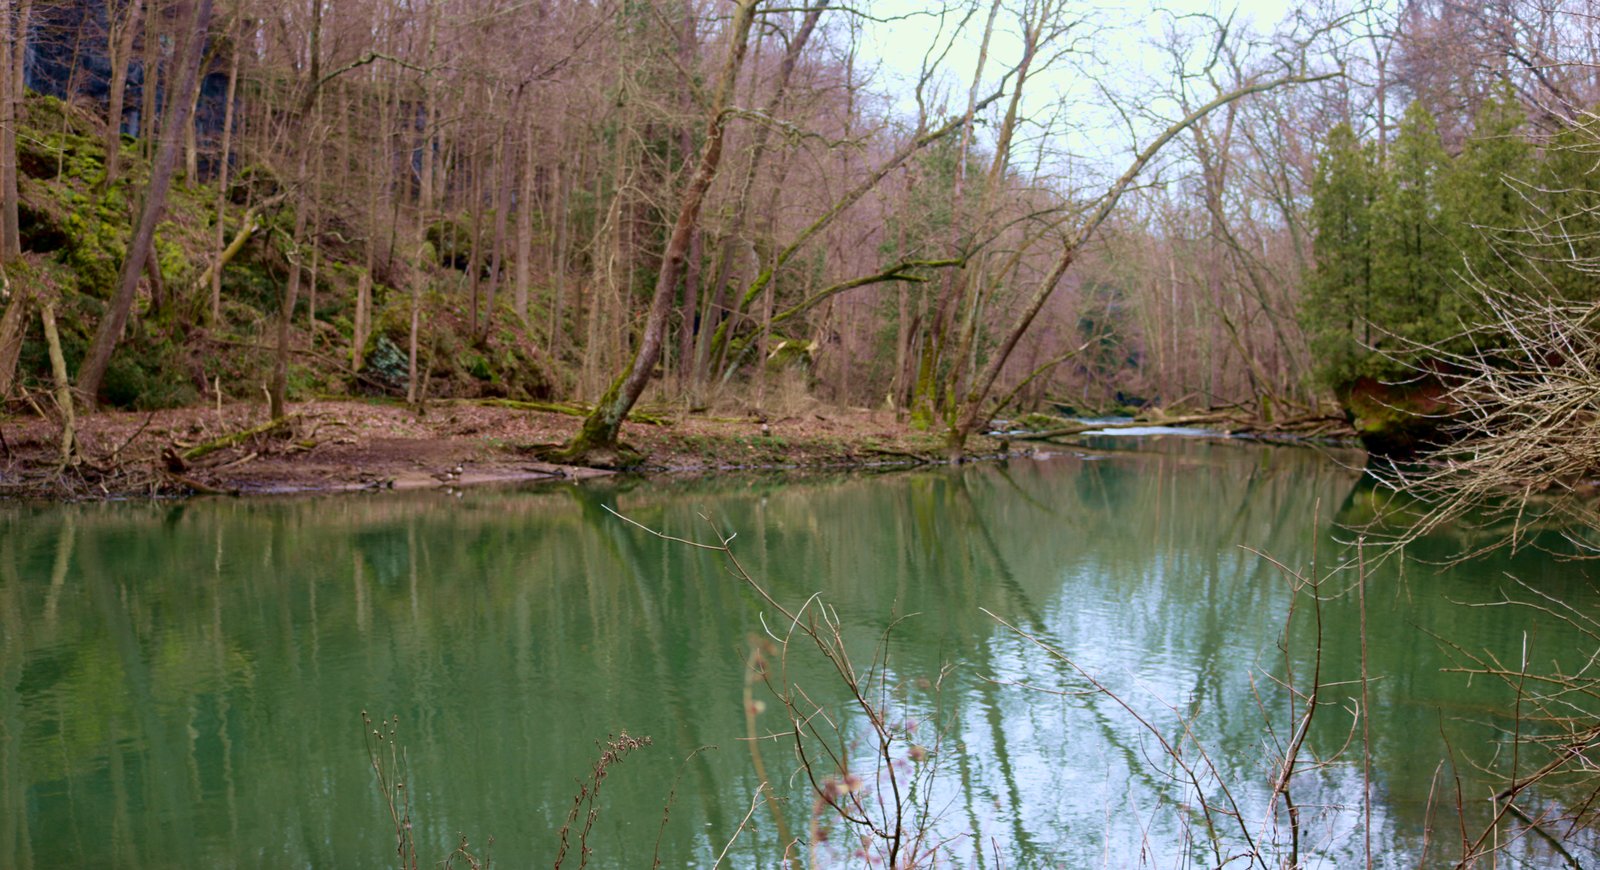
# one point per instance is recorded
(598, 436)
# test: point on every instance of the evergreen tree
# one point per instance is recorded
(1339, 301)
(1485, 194)
(1416, 260)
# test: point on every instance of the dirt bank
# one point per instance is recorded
(353, 445)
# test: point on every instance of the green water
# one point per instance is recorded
(182, 684)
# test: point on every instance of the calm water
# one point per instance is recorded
(182, 684)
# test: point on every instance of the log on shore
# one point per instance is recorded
(234, 439)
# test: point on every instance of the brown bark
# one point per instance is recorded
(926, 400)
(687, 49)
(563, 189)
(709, 346)
(474, 171)
(150, 80)
(276, 398)
(116, 317)
(502, 205)
(425, 204)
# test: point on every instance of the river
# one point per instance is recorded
(182, 684)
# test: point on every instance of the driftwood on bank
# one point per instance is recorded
(1305, 426)
(195, 485)
(234, 439)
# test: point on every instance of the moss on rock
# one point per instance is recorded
(1397, 420)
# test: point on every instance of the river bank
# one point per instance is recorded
(351, 445)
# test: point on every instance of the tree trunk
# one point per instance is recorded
(305, 116)
(525, 225)
(559, 207)
(116, 317)
(926, 401)
(358, 341)
(502, 204)
(424, 212)
(191, 137)
(474, 245)
(598, 437)
(222, 186)
(687, 49)
(191, 131)
(13, 327)
(10, 101)
(710, 346)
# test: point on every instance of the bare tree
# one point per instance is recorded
(196, 25)
(597, 440)
(122, 26)
(971, 408)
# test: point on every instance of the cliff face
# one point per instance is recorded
(67, 50)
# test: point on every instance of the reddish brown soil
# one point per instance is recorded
(352, 445)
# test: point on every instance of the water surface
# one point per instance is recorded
(182, 684)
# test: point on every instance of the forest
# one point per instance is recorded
(960, 210)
